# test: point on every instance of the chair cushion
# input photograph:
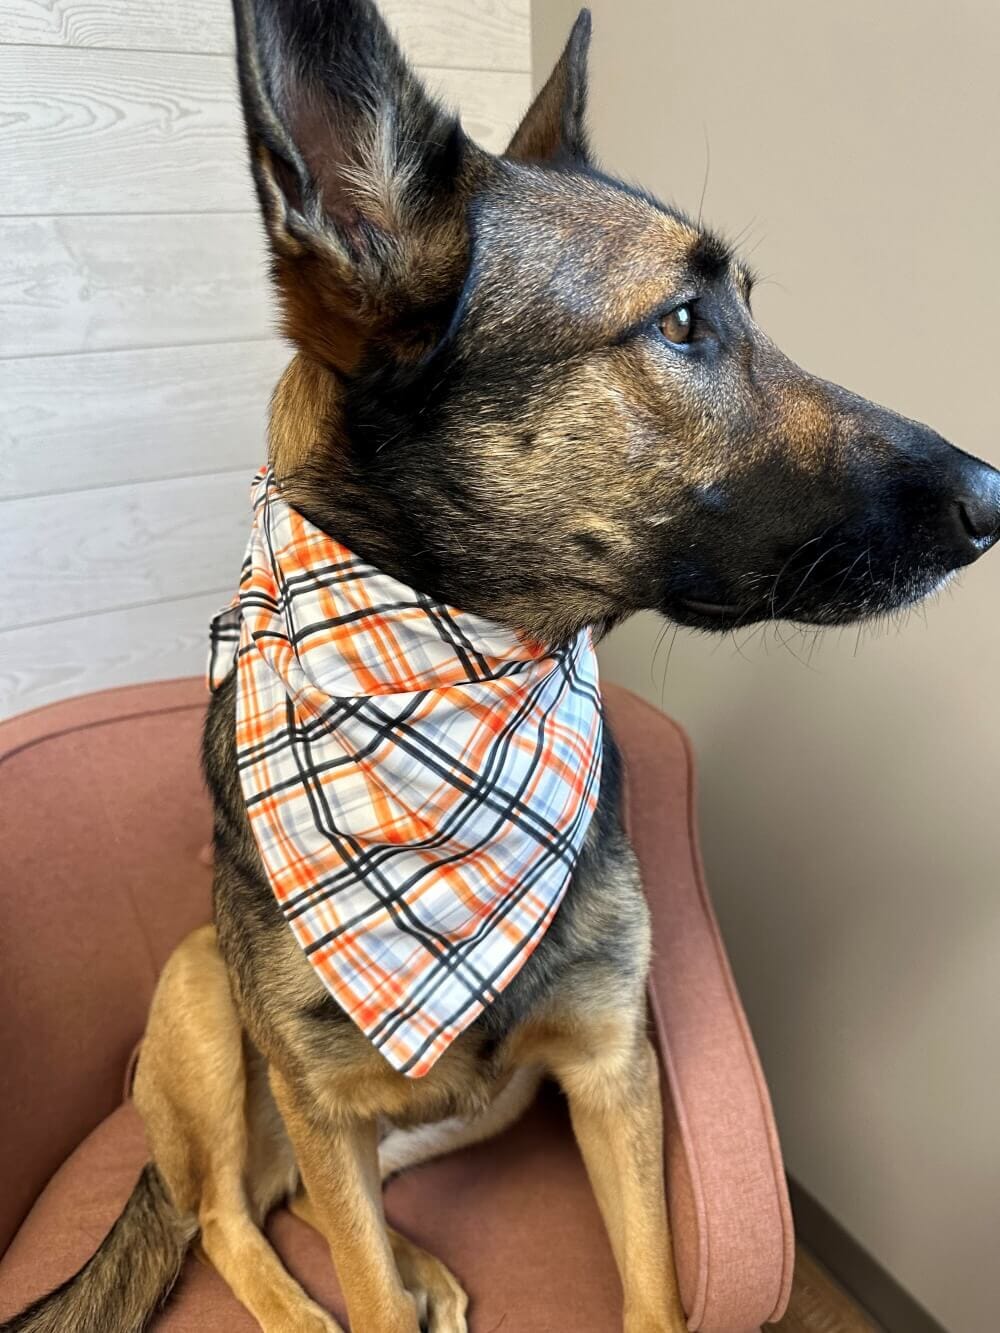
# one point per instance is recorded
(514, 1219)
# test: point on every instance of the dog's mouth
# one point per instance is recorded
(863, 598)
(698, 614)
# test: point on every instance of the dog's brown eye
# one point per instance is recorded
(677, 326)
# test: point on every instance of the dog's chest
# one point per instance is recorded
(594, 951)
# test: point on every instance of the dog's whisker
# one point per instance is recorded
(664, 631)
(806, 576)
(704, 183)
(666, 665)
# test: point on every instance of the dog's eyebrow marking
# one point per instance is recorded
(746, 280)
(709, 257)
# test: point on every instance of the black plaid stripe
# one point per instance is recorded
(478, 789)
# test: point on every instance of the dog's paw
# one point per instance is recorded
(439, 1298)
(441, 1303)
(442, 1311)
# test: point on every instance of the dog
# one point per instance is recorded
(535, 393)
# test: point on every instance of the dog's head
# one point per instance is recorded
(537, 393)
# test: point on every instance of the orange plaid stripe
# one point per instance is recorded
(419, 781)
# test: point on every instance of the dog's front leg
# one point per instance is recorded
(338, 1159)
(614, 1100)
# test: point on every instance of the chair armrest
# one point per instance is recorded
(726, 1188)
(103, 815)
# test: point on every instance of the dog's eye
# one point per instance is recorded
(678, 326)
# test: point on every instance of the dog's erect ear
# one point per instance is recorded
(553, 130)
(359, 174)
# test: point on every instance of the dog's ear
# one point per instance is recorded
(359, 174)
(554, 129)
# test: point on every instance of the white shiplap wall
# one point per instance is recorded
(137, 349)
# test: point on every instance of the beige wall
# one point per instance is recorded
(850, 801)
(137, 347)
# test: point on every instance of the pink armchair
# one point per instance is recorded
(104, 823)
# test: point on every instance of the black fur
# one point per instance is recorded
(343, 58)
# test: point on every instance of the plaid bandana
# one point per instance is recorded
(419, 781)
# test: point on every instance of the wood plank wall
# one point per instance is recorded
(137, 345)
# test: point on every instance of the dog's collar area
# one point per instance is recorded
(379, 635)
(419, 781)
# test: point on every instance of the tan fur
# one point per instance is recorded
(227, 1156)
(303, 408)
(617, 1119)
(216, 1136)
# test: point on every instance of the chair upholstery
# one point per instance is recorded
(105, 819)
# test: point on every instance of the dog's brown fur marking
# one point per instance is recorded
(304, 409)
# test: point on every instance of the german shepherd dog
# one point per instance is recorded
(537, 394)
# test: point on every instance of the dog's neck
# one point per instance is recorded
(405, 529)
(313, 462)
(304, 409)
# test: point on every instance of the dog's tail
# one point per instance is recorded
(128, 1278)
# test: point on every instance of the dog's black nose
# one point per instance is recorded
(980, 516)
(976, 508)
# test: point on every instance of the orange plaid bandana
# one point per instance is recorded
(419, 781)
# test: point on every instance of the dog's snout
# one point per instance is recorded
(975, 510)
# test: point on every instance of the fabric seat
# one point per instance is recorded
(105, 821)
(516, 1220)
